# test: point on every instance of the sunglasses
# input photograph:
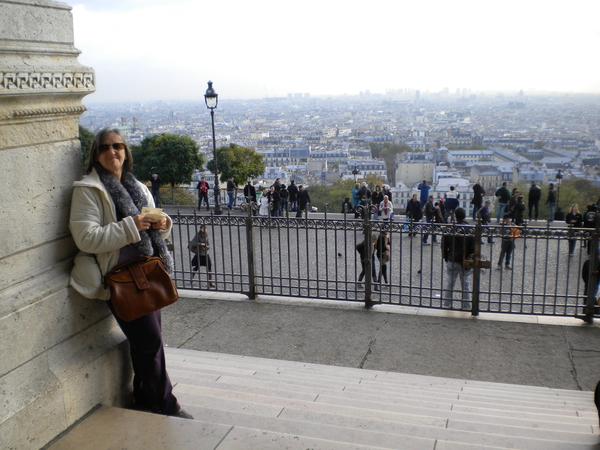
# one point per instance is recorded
(117, 146)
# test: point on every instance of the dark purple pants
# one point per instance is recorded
(151, 384)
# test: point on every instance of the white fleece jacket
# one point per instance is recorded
(95, 230)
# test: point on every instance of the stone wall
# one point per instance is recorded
(60, 354)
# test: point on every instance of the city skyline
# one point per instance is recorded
(146, 50)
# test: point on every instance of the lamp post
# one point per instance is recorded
(211, 98)
(355, 172)
(558, 215)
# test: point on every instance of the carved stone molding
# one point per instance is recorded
(46, 81)
(69, 110)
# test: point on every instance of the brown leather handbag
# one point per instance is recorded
(140, 286)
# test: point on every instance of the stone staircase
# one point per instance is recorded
(249, 403)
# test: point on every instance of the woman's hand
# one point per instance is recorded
(160, 225)
(143, 223)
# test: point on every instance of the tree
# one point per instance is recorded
(172, 156)
(86, 138)
(333, 195)
(238, 162)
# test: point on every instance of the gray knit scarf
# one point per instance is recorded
(129, 199)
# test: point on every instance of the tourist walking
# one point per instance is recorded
(382, 249)
(456, 248)
(303, 200)
(355, 199)
(361, 248)
(231, 188)
(414, 213)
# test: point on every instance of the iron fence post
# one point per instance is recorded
(476, 269)
(593, 275)
(368, 256)
(250, 249)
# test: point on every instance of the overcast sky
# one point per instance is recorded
(168, 49)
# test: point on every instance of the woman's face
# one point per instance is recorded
(112, 159)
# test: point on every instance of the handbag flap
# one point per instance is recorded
(139, 276)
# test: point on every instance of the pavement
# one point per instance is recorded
(555, 352)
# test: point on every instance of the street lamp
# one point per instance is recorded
(355, 172)
(559, 214)
(211, 98)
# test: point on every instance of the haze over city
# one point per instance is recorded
(146, 50)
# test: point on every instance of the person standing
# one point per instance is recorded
(424, 188)
(485, 214)
(430, 217)
(250, 192)
(355, 199)
(283, 200)
(362, 252)
(551, 201)
(387, 191)
(477, 201)
(414, 213)
(303, 200)
(293, 196)
(263, 202)
(456, 248)
(452, 197)
(503, 195)
(155, 181)
(364, 194)
(202, 192)
(274, 199)
(376, 199)
(518, 211)
(108, 228)
(199, 245)
(386, 208)
(382, 249)
(512, 201)
(573, 219)
(508, 242)
(231, 188)
(535, 194)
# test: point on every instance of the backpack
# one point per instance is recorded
(203, 188)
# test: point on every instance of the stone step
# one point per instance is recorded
(244, 403)
(335, 414)
(402, 405)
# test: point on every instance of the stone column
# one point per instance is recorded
(60, 354)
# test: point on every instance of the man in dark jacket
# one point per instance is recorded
(414, 212)
(293, 196)
(503, 195)
(456, 248)
(250, 194)
(303, 200)
(274, 199)
(535, 194)
(364, 194)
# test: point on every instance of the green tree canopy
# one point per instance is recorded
(238, 162)
(174, 158)
(333, 195)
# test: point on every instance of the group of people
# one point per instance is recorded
(380, 199)
(513, 203)
(279, 198)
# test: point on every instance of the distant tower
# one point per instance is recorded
(123, 121)
(136, 122)
(418, 95)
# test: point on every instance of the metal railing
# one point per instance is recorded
(316, 257)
